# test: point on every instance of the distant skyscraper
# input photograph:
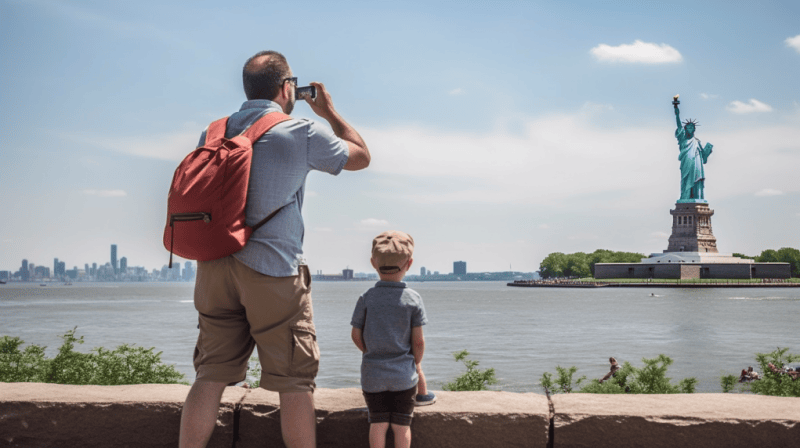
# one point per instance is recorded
(55, 267)
(347, 274)
(94, 269)
(114, 257)
(24, 271)
(460, 267)
(422, 271)
(123, 264)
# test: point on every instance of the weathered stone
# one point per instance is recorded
(457, 419)
(63, 416)
(707, 420)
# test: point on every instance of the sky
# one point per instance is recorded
(499, 131)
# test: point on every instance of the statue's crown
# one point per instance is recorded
(692, 122)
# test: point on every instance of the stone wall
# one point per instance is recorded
(47, 415)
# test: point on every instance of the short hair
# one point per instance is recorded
(263, 75)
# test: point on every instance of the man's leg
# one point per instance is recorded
(377, 434)
(402, 436)
(298, 420)
(199, 416)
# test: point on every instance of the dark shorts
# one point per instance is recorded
(391, 407)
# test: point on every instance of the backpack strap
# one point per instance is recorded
(264, 124)
(216, 131)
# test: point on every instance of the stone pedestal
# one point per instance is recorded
(691, 229)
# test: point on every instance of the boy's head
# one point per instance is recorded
(392, 252)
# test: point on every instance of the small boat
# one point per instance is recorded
(42, 284)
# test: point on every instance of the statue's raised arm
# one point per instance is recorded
(675, 103)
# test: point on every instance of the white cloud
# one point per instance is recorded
(373, 222)
(709, 96)
(769, 192)
(573, 157)
(311, 194)
(637, 52)
(323, 229)
(793, 42)
(457, 91)
(753, 106)
(544, 226)
(173, 146)
(105, 193)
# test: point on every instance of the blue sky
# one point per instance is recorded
(499, 131)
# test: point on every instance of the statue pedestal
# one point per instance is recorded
(691, 228)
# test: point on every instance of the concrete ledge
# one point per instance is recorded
(48, 415)
(707, 420)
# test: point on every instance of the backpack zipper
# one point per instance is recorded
(194, 216)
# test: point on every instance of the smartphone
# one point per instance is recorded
(307, 91)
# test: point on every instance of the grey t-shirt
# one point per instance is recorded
(282, 158)
(386, 313)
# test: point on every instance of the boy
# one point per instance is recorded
(387, 328)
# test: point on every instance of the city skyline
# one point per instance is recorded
(500, 132)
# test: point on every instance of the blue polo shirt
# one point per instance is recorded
(282, 158)
(385, 314)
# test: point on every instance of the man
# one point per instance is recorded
(260, 296)
(692, 156)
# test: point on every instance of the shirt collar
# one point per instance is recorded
(382, 283)
(261, 104)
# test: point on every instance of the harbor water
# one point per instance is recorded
(520, 332)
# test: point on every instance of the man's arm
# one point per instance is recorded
(417, 344)
(678, 117)
(357, 336)
(322, 105)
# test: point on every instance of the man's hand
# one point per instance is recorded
(322, 105)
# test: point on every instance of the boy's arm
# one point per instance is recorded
(358, 338)
(417, 344)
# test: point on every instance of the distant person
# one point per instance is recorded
(387, 328)
(260, 296)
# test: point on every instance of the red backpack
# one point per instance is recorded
(208, 195)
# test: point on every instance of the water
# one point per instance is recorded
(521, 332)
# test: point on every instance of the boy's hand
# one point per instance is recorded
(357, 336)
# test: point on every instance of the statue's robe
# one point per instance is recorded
(692, 156)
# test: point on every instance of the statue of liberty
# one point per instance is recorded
(692, 156)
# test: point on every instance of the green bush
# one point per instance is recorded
(772, 383)
(728, 383)
(126, 364)
(650, 379)
(474, 378)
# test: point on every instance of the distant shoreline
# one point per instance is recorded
(684, 284)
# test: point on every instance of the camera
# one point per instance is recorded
(303, 92)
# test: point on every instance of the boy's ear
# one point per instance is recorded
(410, 260)
(373, 263)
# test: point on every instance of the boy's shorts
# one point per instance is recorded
(391, 407)
(241, 308)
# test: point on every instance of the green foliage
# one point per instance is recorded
(650, 379)
(738, 255)
(474, 378)
(563, 381)
(782, 255)
(253, 378)
(772, 383)
(728, 383)
(580, 264)
(126, 364)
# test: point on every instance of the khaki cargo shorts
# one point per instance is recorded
(240, 309)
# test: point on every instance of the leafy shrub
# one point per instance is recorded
(126, 364)
(474, 378)
(728, 383)
(254, 372)
(772, 383)
(650, 379)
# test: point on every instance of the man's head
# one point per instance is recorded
(392, 252)
(267, 76)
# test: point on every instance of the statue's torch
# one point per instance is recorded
(675, 101)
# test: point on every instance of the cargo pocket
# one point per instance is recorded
(305, 352)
